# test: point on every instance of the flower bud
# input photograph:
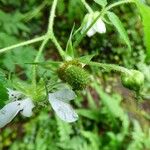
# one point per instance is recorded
(72, 73)
(133, 81)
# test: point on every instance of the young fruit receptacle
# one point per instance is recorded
(72, 73)
(133, 81)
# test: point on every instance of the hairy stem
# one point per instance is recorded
(22, 44)
(48, 35)
(110, 67)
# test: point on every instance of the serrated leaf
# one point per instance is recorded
(90, 114)
(101, 2)
(3, 95)
(118, 24)
(111, 104)
(145, 14)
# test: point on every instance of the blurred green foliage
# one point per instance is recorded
(107, 121)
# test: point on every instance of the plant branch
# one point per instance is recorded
(110, 67)
(51, 18)
(22, 44)
(102, 13)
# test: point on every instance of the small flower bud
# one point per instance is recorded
(73, 73)
(133, 81)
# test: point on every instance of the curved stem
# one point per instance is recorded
(22, 44)
(51, 33)
(59, 48)
(48, 35)
(34, 67)
(44, 42)
(110, 67)
(119, 3)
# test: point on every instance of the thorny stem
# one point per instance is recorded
(34, 67)
(59, 48)
(47, 37)
(22, 44)
(110, 67)
(104, 10)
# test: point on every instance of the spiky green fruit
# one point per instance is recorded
(133, 81)
(74, 75)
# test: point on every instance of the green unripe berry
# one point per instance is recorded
(72, 73)
(77, 77)
(133, 81)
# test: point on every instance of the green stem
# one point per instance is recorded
(104, 10)
(110, 67)
(51, 18)
(77, 42)
(34, 67)
(44, 42)
(119, 3)
(59, 48)
(48, 35)
(51, 33)
(22, 44)
(87, 6)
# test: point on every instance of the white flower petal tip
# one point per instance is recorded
(91, 32)
(14, 95)
(63, 95)
(100, 26)
(64, 110)
(8, 112)
(27, 106)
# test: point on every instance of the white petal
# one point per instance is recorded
(14, 95)
(99, 26)
(27, 106)
(8, 112)
(63, 95)
(91, 32)
(63, 110)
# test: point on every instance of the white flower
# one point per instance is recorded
(59, 101)
(10, 110)
(99, 25)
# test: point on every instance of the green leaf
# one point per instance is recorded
(86, 59)
(101, 2)
(110, 102)
(145, 14)
(90, 114)
(69, 47)
(118, 24)
(3, 95)
(2, 78)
